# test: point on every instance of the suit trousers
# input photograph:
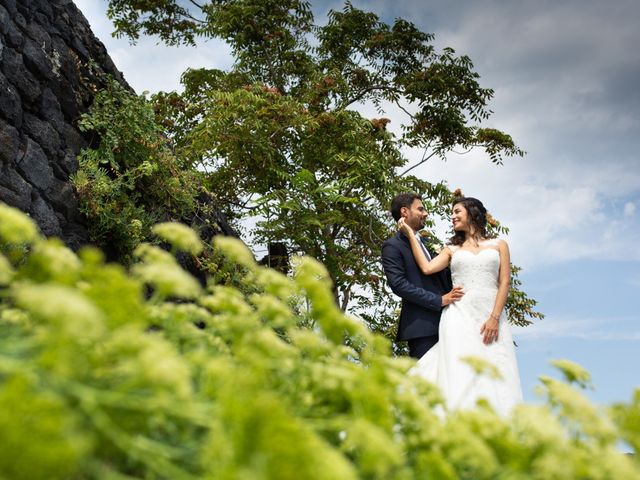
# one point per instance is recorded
(419, 346)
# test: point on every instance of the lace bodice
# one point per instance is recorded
(477, 270)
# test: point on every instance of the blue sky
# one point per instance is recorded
(565, 75)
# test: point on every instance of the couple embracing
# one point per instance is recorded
(453, 303)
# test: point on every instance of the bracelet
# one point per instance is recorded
(495, 317)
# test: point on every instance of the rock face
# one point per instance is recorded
(46, 83)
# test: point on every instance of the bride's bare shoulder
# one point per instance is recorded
(494, 242)
(500, 244)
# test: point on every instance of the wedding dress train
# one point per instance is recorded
(459, 337)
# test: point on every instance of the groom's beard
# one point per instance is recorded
(418, 226)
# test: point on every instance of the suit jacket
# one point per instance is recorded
(421, 294)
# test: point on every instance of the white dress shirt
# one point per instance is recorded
(426, 252)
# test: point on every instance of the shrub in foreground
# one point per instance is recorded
(109, 373)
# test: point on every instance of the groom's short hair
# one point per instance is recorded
(402, 200)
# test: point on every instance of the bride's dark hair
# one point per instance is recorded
(477, 219)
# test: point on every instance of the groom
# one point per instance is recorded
(423, 296)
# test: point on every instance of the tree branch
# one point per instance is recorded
(201, 7)
(423, 160)
(364, 92)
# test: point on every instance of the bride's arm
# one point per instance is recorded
(504, 279)
(490, 328)
(427, 267)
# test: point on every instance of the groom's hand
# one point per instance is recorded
(453, 296)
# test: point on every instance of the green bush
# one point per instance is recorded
(131, 179)
(109, 373)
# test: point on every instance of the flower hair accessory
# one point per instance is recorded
(490, 220)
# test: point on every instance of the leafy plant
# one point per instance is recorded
(131, 179)
(100, 380)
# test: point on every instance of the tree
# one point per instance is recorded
(281, 139)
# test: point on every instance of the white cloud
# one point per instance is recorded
(612, 329)
(629, 209)
(158, 68)
(561, 90)
(149, 65)
(553, 215)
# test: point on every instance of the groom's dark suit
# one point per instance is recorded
(421, 294)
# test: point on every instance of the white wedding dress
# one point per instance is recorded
(459, 337)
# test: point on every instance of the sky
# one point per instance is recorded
(565, 75)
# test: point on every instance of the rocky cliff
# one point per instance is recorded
(45, 83)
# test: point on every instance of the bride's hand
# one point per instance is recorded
(404, 228)
(489, 331)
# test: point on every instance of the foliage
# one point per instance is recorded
(99, 380)
(131, 180)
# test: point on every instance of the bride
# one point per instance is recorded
(475, 326)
